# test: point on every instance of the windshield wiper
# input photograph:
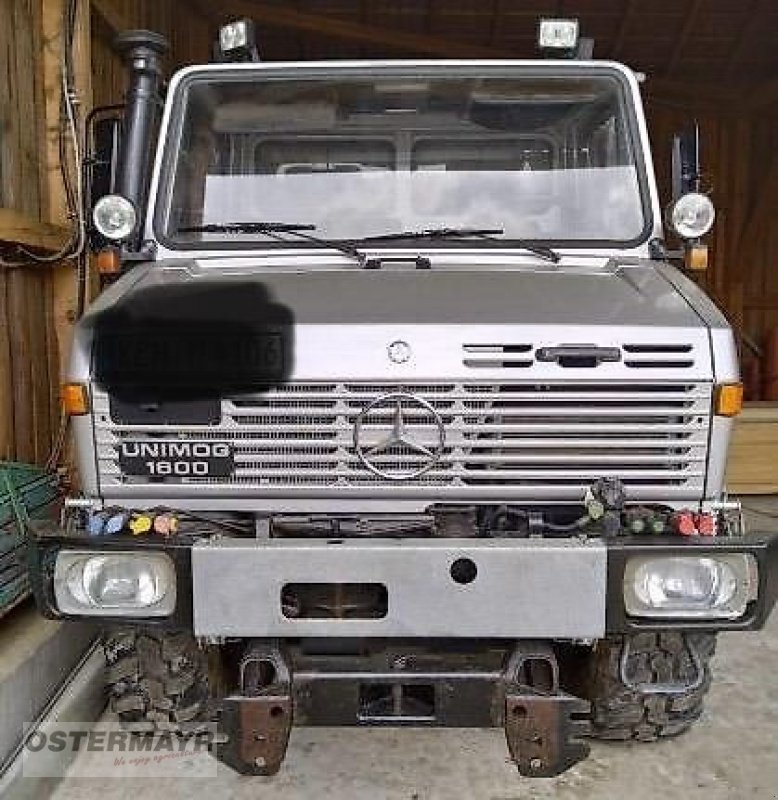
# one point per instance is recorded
(278, 231)
(489, 234)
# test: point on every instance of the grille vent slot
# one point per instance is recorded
(500, 356)
(504, 439)
(658, 356)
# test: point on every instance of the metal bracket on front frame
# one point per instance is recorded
(543, 725)
(257, 721)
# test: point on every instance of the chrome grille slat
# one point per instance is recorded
(502, 436)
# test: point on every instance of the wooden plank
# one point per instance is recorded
(39, 396)
(26, 110)
(686, 29)
(624, 23)
(322, 25)
(112, 17)
(52, 352)
(7, 448)
(21, 387)
(755, 21)
(752, 467)
(762, 209)
(63, 274)
(18, 228)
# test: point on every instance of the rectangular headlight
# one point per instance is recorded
(713, 586)
(129, 584)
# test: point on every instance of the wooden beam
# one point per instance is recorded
(111, 16)
(321, 25)
(18, 228)
(686, 30)
(754, 21)
(63, 279)
(626, 19)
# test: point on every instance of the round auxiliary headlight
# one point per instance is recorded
(115, 217)
(692, 215)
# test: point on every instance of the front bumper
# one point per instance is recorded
(521, 588)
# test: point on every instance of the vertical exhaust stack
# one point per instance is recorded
(143, 52)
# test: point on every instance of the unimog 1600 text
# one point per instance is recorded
(397, 412)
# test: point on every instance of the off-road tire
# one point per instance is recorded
(157, 680)
(621, 713)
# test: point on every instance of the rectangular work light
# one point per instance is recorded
(558, 34)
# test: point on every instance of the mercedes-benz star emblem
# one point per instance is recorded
(399, 352)
(415, 429)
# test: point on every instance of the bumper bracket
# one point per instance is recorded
(543, 725)
(258, 720)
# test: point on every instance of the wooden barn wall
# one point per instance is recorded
(21, 133)
(29, 367)
(740, 170)
(188, 34)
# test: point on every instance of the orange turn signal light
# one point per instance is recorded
(696, 257)
(729, 399)
(108, 261)
(75, 399)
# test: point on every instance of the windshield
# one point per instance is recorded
(544, 159)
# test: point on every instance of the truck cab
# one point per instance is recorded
(399, 413)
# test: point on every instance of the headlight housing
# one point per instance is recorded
(713, 586)
(131, 584)
(115, 217)
(692, 215)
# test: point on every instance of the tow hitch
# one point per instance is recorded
(520, 692)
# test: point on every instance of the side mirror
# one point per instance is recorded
(686, 162)
(104, 135)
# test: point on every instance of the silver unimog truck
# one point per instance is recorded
(397, 412)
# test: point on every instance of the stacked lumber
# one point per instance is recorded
(752, 467)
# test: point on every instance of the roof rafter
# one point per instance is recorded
(688, 26)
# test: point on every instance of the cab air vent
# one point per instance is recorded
(658, 356)
(498, 356)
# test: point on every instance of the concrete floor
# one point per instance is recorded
(732, 753)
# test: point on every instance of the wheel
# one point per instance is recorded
(620, 712)
(157, 680)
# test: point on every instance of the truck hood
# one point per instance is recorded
(631, 295)
(457, 323)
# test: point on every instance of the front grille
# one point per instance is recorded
(518, 438)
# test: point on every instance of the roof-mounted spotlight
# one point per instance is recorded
(558, 38)
(237, 42)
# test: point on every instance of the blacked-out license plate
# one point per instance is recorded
(163, 458)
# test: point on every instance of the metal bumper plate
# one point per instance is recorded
(525, 588)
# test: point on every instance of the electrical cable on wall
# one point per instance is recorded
(69, 138)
